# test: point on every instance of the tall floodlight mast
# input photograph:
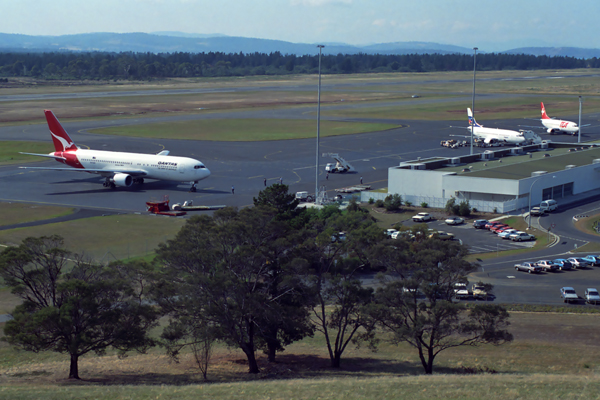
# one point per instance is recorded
(318, 126)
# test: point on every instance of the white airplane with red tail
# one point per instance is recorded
(558, 125)
(119, 169)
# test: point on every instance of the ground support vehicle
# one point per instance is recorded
(304, 197)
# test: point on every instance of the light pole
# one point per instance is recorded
(579, 130)
(529, 214)
(318, 126)
(473, 102)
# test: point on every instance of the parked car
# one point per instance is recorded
(505, 234)
(498, 228)
(479, 291)
(442, 235)
(521, 236)
(491, 224)
(536, 211)
(577, 262)
(529, 267)
(390, 232)
(548, 265)
(563, 264)
(592, 296)
(454, 220)
(421, 217)
(479, 223)
(461, 291)
(592, 260)
(568, 294)
(549, 205)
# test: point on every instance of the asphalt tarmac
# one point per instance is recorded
(245, 165)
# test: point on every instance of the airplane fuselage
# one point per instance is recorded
(162, 167)
(557, 125)
(505, 135)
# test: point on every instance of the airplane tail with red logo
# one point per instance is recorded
(544, 115)
(60, 137)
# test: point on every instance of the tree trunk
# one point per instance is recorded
(271, 351)
(252, 364)
(74, 369)
(336, 360)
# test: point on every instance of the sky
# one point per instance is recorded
(491, 25)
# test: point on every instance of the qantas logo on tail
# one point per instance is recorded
(61, 139)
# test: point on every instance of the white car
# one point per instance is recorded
(505, 234)
(461, 291)
(421, 217)
(592, 296)
(521, 236)
(568, 294)
(454, 220)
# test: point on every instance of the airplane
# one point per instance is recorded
(118, 168)
(557, 125)
(495, 135)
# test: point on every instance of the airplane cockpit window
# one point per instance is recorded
(199, 166)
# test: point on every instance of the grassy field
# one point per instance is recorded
(378, 88)
(540, 363)
(16, 213)
(243, 129)
(105, 238)
(9, 151)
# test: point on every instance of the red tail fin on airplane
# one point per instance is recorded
(544, 115)
(62, 141)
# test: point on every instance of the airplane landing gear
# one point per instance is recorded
(109, 184)
(193, 188)
(138, 181)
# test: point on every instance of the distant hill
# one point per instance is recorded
(171, 42)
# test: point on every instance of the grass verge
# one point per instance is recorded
(16, 213)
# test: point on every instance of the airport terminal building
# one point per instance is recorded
(498, 180)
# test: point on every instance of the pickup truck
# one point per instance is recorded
(548, 265)
(421, 217)
(529, 267)
(521, 236)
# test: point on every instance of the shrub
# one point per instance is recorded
(424, 205)
(464, 209)
(379, 203)
(408, 203)
(393, 202)
(371, 200)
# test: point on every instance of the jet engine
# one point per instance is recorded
(550, 130)
(122, 180)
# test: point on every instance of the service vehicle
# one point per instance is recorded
(304, 197)
(568, 294)
(454, 220)
(340, 165)
(592, 296)
(529, 267)
(480, 223)
(563, 264)
(549, 205)
(521, 236)
(548, 265)
(422, 217)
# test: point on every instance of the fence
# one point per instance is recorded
(440, 202)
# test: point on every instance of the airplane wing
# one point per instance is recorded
(106, 171)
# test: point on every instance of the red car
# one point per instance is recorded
(500, 228)
(492, 224)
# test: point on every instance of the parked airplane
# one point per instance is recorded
(557, 125)
(492, 135)
(120, 169)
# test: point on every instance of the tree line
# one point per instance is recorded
(145, 66)
(255, 279)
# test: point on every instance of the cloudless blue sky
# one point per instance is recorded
(491, 25)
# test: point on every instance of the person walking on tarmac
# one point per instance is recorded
(327, 176)
(265, 181)
(232, 190)
(361, 180)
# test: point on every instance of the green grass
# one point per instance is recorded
(16, 213)
(9, 151)
(243, 129)
(105, 238)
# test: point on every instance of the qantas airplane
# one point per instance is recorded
(557, 125)
(491, 135)
(120, 169)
